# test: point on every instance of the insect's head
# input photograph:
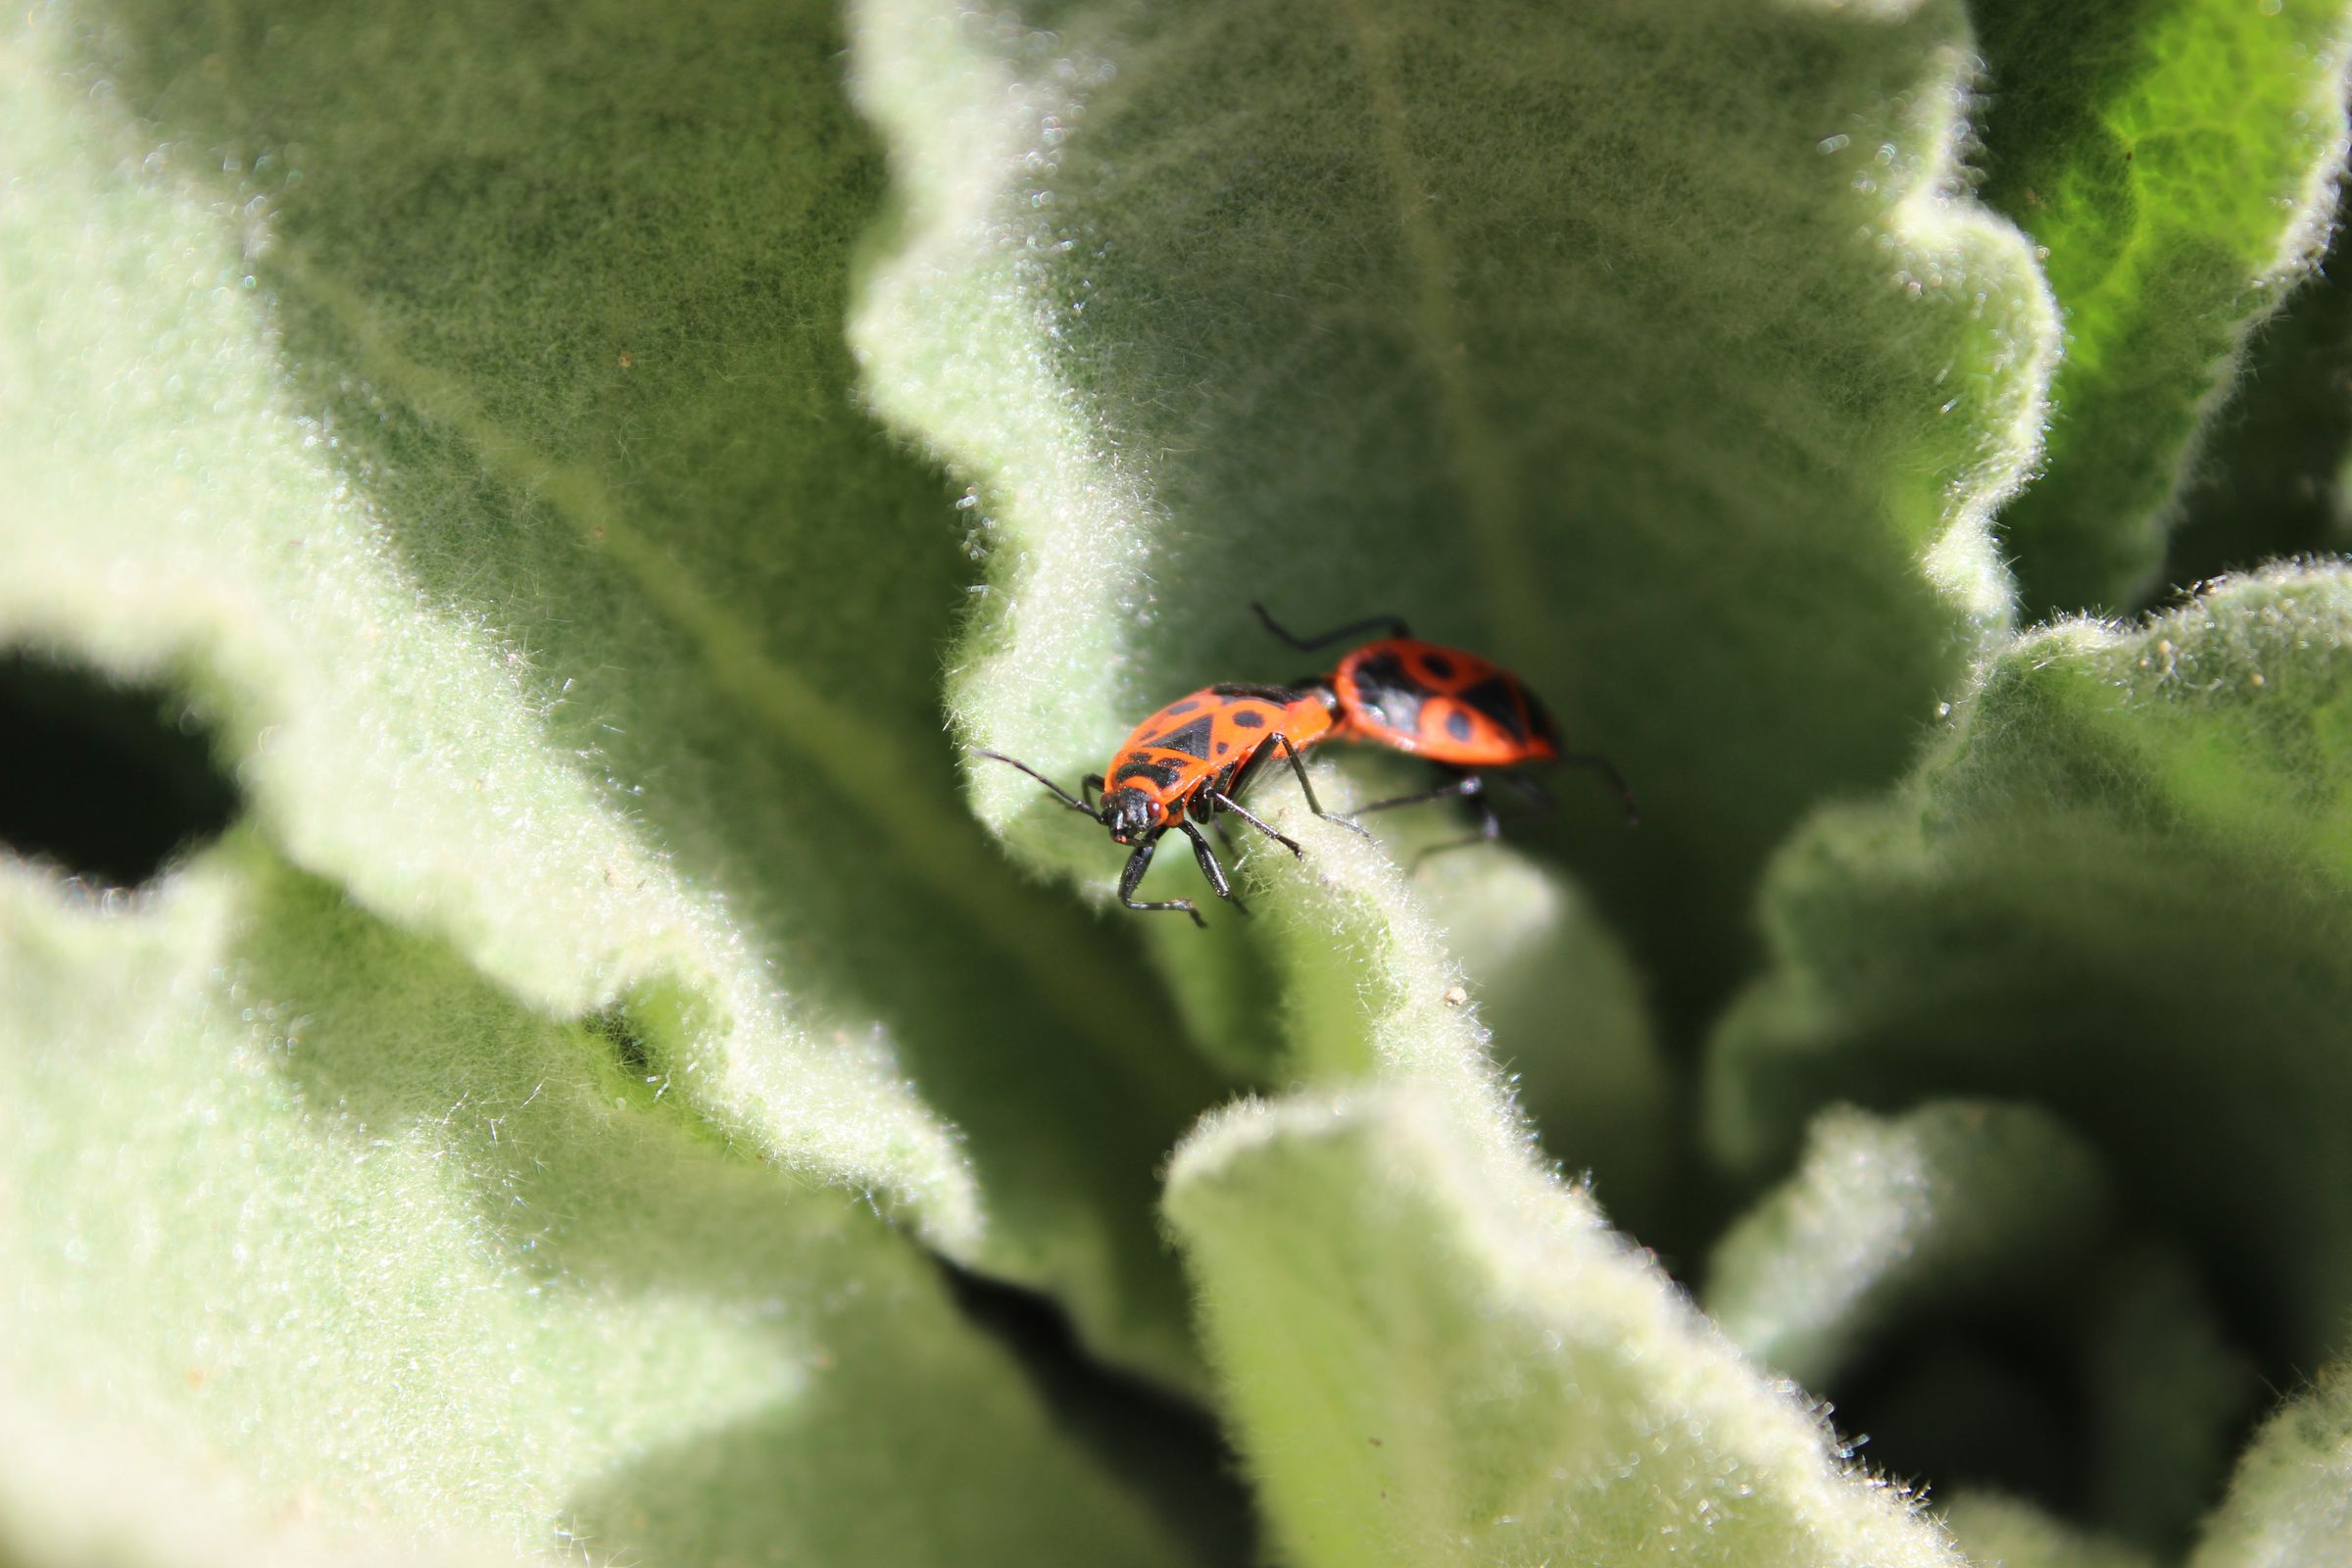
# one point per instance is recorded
(1130, 814)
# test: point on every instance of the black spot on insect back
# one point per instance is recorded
(1538, 718)
(1440, 667)
(1160, 770)
(1496, 698)
(1192, 739)
(1248, 719)
(1458, 724)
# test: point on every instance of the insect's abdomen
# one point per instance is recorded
(1442, 704)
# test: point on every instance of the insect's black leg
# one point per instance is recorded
(1137, 864)
(1226, 803)
(1088, 787)
(1390, 625)
(1308, 790)
(1489, 826)
(1530, 790)
(1202, 807)
(1066, 798)
(1209, 867)
(1469, 787)
(1607, 770)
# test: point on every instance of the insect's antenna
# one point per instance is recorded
(1066, 798)
(1390, 625)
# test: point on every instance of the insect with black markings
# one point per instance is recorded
(1463, 714)
(1189, 764)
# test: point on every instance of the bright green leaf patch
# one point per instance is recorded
(2174, 162)
(62, 1490)
(1567, 1020)
(2115, 888)
(1652, 350)
(175, 515)
(1349, 980)
(300, 1193)
(1435, 1356)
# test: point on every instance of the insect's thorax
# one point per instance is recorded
(1207, 738)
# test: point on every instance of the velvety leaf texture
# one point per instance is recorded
(500, 605)
(1908, 1255)
(1994, 1529)
(2291, 1501)
(468, 1276)
(1509, 1383)
(2271, 478)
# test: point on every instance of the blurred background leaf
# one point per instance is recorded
(2113, 889)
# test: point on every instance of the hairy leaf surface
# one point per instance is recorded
(1652, 351)
(2175, 163)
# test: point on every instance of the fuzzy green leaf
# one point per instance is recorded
(476, 448)
(320, 1214)
(1626, 344)
(2114, 888)
(2175, 163)
(2291, 1501)
(1437, 1356)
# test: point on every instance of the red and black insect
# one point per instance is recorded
(1189, 764)
(1461, 713)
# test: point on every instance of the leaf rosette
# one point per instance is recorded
(537, 506)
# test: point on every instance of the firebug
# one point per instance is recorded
(1189, 764)
(1461, 713)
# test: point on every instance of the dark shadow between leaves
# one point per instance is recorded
(108, 782)
(1167, 1449)
(2103, 1393)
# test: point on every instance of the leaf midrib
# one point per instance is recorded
(1475, 458)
